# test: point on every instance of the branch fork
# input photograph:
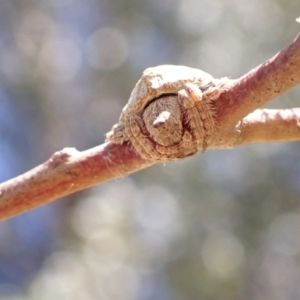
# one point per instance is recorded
(238, 120)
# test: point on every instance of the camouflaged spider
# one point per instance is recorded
(169, 114)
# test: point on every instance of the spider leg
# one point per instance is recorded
(185, 147)
(140, 142)
(205, 110)
(189, 97)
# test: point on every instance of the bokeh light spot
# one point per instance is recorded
(222, 254)
(107, 49)
(59, 59)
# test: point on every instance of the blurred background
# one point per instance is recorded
(221, 225)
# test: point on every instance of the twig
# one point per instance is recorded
(68, 171)
(270, 125)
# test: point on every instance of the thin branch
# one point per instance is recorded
(253, 90)
(270, 125)
(261, 85)
(68, 171)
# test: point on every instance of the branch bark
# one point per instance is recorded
(254, 90)
(270, 125)
(69, 170)
(66, 172)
